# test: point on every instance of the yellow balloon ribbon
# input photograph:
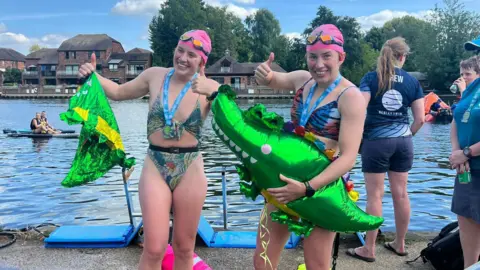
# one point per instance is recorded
(265, 232)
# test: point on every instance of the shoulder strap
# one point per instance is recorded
(301, 88)
(343, 91)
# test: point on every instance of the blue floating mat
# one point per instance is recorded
(234, 239)
(111, 236)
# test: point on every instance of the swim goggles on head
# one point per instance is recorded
(325, 39)
(197, 44)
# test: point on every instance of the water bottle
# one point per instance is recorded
(454, 88)
(464, 178)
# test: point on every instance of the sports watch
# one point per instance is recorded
(467, 152)
(309, 191)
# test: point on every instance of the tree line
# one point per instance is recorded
(436, 41)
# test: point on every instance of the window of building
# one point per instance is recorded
(235, 83)
(135, 69)
(71, 69)
(225, 66)
(113, 67)
(70, 55)
(97, 54)
(220, 80)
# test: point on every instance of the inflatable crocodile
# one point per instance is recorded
(257, 138)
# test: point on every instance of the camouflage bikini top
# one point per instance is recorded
(156, 120)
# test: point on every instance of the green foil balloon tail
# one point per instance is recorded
(243, 173)
(249, 190)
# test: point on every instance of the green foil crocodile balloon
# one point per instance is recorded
(257, 138)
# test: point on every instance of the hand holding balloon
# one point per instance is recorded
(292, 191)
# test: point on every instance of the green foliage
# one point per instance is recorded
(264, 29)
(12, 75)
(436, 42)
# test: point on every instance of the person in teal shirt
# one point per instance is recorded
(465, 156)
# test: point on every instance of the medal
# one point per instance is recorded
(170, 131)
(306, 112)
(465, 117)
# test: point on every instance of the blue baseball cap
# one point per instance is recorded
(473, 45)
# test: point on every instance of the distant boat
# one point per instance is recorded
(28, 131)
(444, 115)
(44, 136)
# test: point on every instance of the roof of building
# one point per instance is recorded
(95, 42)
(139, 50)
(8, 54)
(46, 56)
(129, 57)
(236, 67)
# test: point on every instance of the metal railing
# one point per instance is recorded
(30, 73)
(134, 72)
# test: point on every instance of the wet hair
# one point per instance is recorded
(472, 63)
(391, 51)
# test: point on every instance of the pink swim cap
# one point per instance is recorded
(193, 38)
(327, 30)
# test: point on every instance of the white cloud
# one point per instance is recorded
(240, 11)
(380, 18)
(293, 35)
(50, 15)
(137, 7)
(22, 43)
(247, 2)
(150, 7)
(3, 28)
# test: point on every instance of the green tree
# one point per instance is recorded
(296, 56)
(453, 25)
(35, 47)
(376, 37)
(226, 31)
(417, 33)
(281, 47)
(350, 29)
(174, 18)
(12, 75)
(367, 64)
(264, 29)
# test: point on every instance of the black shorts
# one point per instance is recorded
(387, 154)
(466, 197)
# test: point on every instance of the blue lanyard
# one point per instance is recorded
(169, 114)
(305, 113)
(466, 115)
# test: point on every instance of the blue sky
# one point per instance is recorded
(26, 22)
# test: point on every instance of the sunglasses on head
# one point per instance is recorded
(325, 39)
(197, 44)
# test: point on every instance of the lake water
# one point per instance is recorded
(31, 171)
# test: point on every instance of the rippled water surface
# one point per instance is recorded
(31, 171)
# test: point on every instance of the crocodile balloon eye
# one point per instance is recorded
(266, 149)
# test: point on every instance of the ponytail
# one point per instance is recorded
(391, 52)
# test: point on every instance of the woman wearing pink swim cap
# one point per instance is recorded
(334, 114)
(173, 172)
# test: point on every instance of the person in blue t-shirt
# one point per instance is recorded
(387, 140)
(465, 156)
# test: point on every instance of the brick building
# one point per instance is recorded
(10, 58)
(60, 66)
(241, 76)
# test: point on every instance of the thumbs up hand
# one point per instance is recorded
(88, 68)
(264, 73)
(202, 85)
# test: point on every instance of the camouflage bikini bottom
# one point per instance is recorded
(173, 162)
